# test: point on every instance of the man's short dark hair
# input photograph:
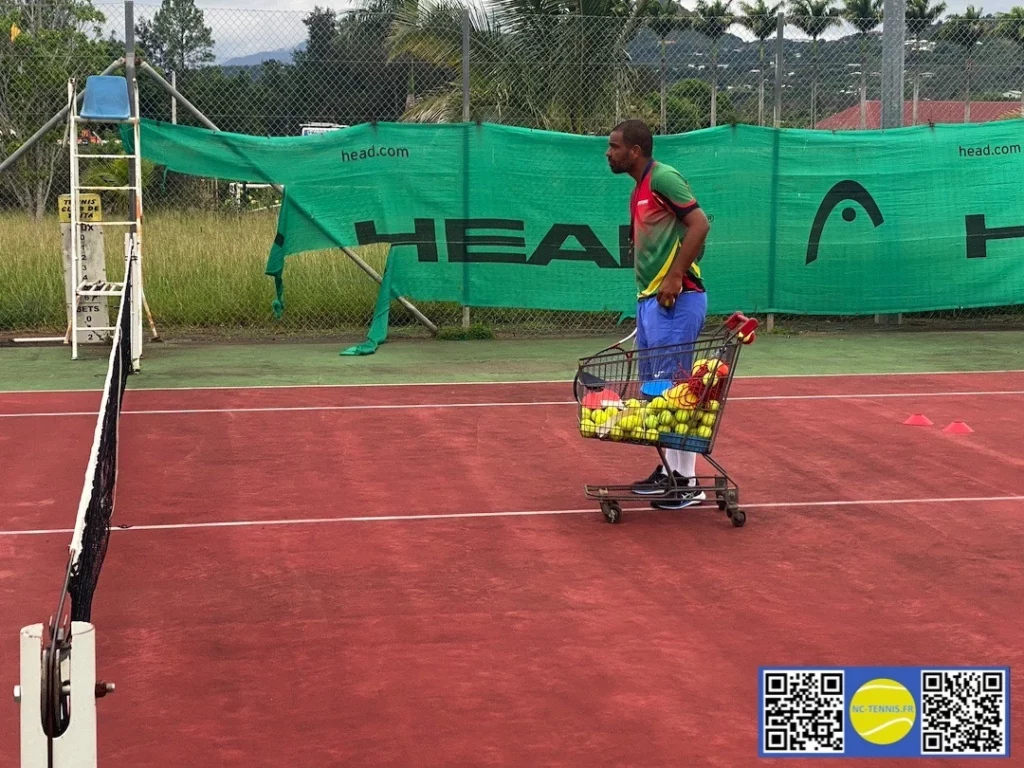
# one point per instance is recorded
(635, 133)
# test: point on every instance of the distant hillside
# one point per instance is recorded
(284, 55)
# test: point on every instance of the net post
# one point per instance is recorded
(135, 297)
(133, 238)
(33, 740)
(77, 746)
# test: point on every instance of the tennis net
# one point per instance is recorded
(92, 526)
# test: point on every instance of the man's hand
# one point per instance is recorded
(670, 288)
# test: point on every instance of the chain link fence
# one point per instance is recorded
(811, 64)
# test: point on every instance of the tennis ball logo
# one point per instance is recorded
(882, 711)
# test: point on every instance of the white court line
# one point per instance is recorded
(421, 406)
(517, 382)
(533, 513)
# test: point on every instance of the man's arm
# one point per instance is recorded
(675, 192)
(697, 228)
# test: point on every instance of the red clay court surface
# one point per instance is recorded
(342, 576)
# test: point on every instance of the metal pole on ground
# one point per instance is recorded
(144, 65)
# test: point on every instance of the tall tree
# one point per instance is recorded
(760, 19)
(713, 20)
(57, 40)
(966, 29)
(177, 39)
(865, 15)
(814, 18)
(921, 17)
(1011, 27)
(318, 69)
(558, 64)
(665, 20)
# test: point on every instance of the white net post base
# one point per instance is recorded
(76, 746)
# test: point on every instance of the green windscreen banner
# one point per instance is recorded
(803, 221)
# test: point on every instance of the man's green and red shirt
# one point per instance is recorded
(658, 204)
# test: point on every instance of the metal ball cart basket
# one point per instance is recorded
(666, 397)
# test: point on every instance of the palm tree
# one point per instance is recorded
(664, 19)
(553, 64)
(865, 15)
(713, 19)
(814, 18)
(1011, 26)
(921, 16)
(966, 29)
(760, 19)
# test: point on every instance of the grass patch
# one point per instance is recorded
(458, 333)
(203, 271)
(203, 276)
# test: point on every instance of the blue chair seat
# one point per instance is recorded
(106, 99)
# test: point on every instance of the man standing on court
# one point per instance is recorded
(667, 230)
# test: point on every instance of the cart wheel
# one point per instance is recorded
(612, 511)
(739, 517)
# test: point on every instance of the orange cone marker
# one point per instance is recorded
(958, 428)
(918, 420)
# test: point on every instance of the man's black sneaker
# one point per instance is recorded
(654, 485)
(680, 497)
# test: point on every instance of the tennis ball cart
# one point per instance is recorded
(668, 397)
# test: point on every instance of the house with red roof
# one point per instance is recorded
(927, 112)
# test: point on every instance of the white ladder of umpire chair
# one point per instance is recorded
(106, 101)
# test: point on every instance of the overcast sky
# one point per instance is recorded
(243, 27)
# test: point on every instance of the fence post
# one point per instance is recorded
(893, 39)
(465, 118)
(174, 101)
(893, 43)
(779, 30)
(779, 39)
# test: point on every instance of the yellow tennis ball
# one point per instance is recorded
(658, 404)
(651, 422)
(714, 405)
(682, 428)
(599, 417)
(585, 414)
(611, 410)
(704, 432)
(666, 417)
(588, 428)
(651, 435)
(629, 422)
(616, 433)
(708, 419)
(882, 711)
(633, 403)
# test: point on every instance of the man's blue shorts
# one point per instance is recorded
(658, 326)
